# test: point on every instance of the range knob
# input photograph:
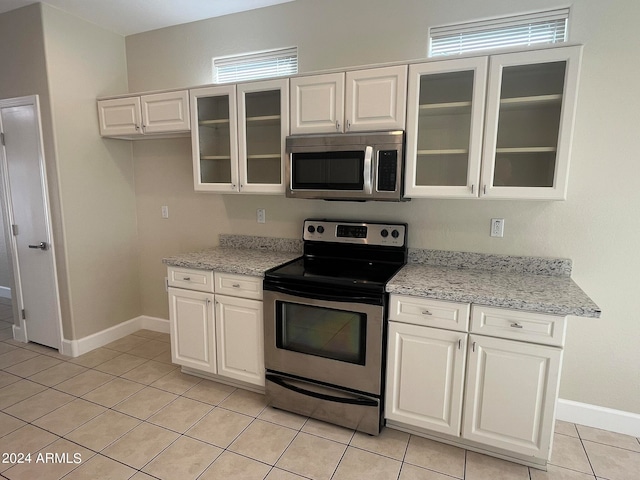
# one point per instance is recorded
(395, 233)
(320, 229)
(384, 233)
(311, 229)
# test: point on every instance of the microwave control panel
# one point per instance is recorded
(387, 170)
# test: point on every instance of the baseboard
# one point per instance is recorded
(19, 333)
(594, 416)
(74, 348)
(5, 292)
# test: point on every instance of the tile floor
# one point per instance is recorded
(125, 412)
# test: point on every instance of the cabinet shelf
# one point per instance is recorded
(449, 108)
(450, 151)
(264, 118)
(526, 150)
(531, 101)
(213, 123)
(264, 156)
(215, 157)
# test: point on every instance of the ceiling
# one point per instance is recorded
(127, 17)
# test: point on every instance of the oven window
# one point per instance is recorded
(324, 332)
(328, 170)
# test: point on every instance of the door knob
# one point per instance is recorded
(41, 246)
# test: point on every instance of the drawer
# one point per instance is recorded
(243, 286)
(431, 313)
(518, 325)
(191, 279)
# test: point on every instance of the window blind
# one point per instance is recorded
(520, 30)
(271, 63)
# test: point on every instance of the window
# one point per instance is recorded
(520, 30)
(252, 66)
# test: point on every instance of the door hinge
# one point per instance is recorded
(24, 315)
(14, 230)
(2, 138)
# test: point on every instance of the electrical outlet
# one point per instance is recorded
(261, 215)
(165, 211)
(497, 227)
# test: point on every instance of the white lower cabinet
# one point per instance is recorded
(192, 329)
(511, 394)
(213, 333)
(469, 387)
(240, 339)
(425, 377)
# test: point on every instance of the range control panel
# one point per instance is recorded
(383, 234)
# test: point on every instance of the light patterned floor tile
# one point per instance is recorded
(435, 456)
(69, 417)
(101, 467)
(103, 430)
(29, 439)
(230, 465)
(149, 372)
(9, 424)
(220, 427)
(566, 428)
(251, 441)
(209, 392)
(176, 382)
(609, 438)
(15, 356)
(357, 464)
(412, 472)
(8, 379)
(391, 443)
(312, 456)
(568, 452)
(328, 431)
(18, 391)
(32, 366)
(286, 419)
(243, 401)
(145, 403)
(126, 344)
(95, 357)
(185, 459)
(39, 405)
(58, 374)
(120, 364)
(611, 462)
(140, 445)
(482, 467)
(84, 383)
(113, 392)
(558, 473)
(150, 349)
(180, 415)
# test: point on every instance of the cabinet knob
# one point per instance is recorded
(472, 188)
(348, 125)
(426, 312)
(516, 325)
(337, 125)
(137, 127)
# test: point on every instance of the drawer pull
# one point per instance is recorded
(236, 285)
(516, 325)
(426, 312)
(186, 279)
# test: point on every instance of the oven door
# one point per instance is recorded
(334, 342)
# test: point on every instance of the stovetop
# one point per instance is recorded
(349, 255)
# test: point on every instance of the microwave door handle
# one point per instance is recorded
(368, 172)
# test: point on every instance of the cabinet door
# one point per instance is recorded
(192, 329)
(119, 117)
(214, 139)
(530, 115)
(425, 375)
(376, 99)
(445, 114)
(317, 103)
(511, 395)
(240, 339)
(165, 112)
(263, 125)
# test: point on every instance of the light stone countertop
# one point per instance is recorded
(242, 261)
(553, 294)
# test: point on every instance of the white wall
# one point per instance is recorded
(596, 227)
(95, 176)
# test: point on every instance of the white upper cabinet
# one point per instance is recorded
(362, 100)
(445, 114)
(529, 123)
(528, 116)
(136, 116)
(238, 145)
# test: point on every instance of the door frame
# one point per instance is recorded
(20, 332)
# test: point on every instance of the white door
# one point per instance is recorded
(192, 329)
(376, 99)
(317, 103)
(511, 394)
(425, 376)
(32, 247)
(240, 339)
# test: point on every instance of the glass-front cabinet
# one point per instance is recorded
(444, 127)
(514, 145)
(238, 137)
(530, 114)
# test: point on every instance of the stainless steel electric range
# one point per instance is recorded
(325, 322)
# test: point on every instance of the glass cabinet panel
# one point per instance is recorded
(263, 137)
(444, 127)
(214, 138)
(528, 125)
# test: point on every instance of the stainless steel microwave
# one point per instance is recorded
(347, 166)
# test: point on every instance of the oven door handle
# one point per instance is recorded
(365, 402)
(320, 296)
